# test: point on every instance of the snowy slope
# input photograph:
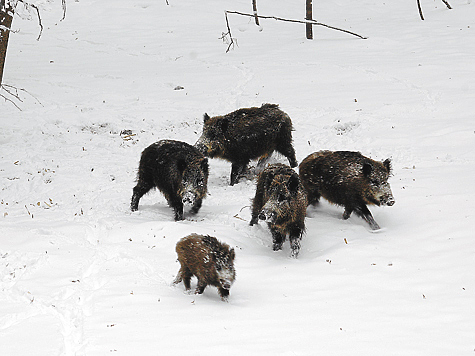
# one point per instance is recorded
(82, 275)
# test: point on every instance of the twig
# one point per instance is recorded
(238, 217)
(9, 100)
(313, 22)
(14, 93)
(63, 4)
(223, 37)
(27, 4)
(420, 10)
(447, 4)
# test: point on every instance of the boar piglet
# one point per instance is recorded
(247, 134)
(281, 201)
(347, 179)
(210, 260)
(178, 170)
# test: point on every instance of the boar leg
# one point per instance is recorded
(277, 239)
(236, 170)
(313, 197)
(184, 274)
(177, 204)
(257, 204)
(179, 276)
(364, 213)
(347, 213)
(196, 206)
(284, 146)
(256, 207)
(295, 238)
(254, 218)
(223, 293)
(139, 191)
(200, 288)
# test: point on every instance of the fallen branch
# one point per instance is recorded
(13, 93)
(312, 22)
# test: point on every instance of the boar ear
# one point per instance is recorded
(232, 254)
(181, 165)
(387, 165)
(367, 169)
(223, 124)
(205, 117)
(293, 184)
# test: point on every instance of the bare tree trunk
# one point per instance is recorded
(5, 25)
(308, 16)
(254, 9)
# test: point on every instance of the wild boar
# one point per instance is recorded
(281, 201)
(211, 261)
(247, 134)
(348, 179)
(178, 170)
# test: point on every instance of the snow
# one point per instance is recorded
(82, 275)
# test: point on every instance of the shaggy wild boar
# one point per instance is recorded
(281, 201)
(211, 261)
(178, 170)
(247, 134)
(348, 179)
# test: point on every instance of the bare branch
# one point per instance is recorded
(420, 10)
(63, 4)
(39, 20)
(27, 5)
(312, 22)
(223, 37)
(8, 99)
(13, 93)
(447, 4)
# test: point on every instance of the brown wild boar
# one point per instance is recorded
(211, 261)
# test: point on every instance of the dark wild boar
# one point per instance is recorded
(178, 170)
(247, 134)
(281, 201)
(211, 261)
(347, 179)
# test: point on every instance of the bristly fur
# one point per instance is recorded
(178, 170)
(280, 199)
(347, 179)
(210, 261)
(247, 134)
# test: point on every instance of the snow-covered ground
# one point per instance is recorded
(82, 275)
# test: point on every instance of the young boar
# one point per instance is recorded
(211, 261)
(281, 201)
(247, 134)
(178, 170)
(348, 179)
